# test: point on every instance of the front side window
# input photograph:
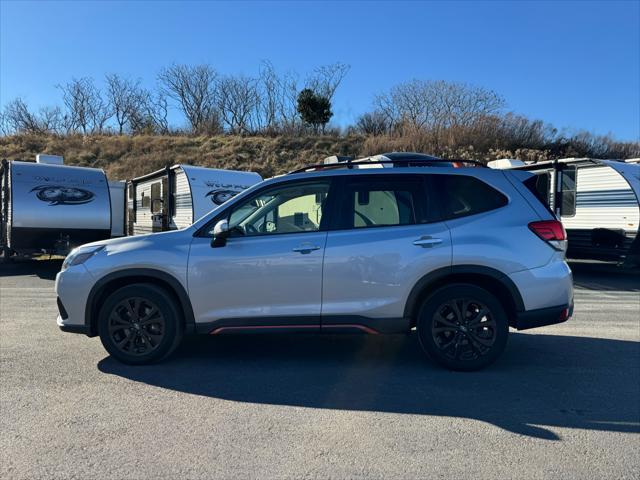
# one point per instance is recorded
(287, 209)
(377, 202)
(568, 206)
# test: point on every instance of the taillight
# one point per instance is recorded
(552, 232)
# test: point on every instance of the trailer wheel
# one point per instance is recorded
(6, 255)
(140, 324)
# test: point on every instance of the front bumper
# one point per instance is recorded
(73, 287)
(543, 316)
(70, 328)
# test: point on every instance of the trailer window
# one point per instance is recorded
(156, 198)
(146, 201)
(568, 188)
(172, 197)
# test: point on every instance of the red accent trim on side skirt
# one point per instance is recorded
(368, 330)
(218, 330)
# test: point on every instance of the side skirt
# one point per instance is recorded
(330, 324)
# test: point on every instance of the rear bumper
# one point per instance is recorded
(543, 316)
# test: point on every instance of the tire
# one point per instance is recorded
(153, 337)
(452, 332)
(6, 255)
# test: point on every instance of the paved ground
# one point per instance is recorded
(563, 402)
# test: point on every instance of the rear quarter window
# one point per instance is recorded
(461, 196)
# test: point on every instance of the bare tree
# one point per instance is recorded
(237, 102)
(51, 120)
(122, 95)
(5, 128)
(374, 123)
(288, 103)
(158, 109)
(326, 79)
(148, 112)
(86, 108)
(18, 118)
(436, 105)
(194, 88)
(268, 97)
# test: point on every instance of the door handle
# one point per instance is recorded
(427, 241)
(304, 249)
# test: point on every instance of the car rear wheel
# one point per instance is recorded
(463, 327)
(140, 324)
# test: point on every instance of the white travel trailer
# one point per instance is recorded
(176, 196)
(598, 204)
(50, 207)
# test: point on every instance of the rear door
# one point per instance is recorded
(385, 237)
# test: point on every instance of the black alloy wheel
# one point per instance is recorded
(136, 326)
(140, 324)
(462, 327)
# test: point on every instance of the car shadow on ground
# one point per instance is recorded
(45, 269)
(541, 381)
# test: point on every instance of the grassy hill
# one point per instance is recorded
(125, 157)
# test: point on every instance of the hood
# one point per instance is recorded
(138, 241)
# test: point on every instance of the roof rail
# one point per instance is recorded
(402, 162)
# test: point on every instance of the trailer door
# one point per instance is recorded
(157, 217)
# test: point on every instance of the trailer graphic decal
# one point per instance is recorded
(61, 195)
(220, 196)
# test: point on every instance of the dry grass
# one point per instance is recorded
(125, 157)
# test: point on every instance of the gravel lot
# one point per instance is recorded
(562, 402)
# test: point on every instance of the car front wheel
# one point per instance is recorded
(462, 327)
(140, 324)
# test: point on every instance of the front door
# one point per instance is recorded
(269, 274)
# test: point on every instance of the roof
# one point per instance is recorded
(397, 159)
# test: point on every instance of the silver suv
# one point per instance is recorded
(459, 254)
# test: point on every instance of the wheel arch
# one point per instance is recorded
(494, 281)
(115, 280)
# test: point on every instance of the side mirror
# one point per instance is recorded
(220, 234)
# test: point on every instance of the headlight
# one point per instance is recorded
(80, 255)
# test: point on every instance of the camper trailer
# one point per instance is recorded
(176, 196)
(598, 204)
(49, 207)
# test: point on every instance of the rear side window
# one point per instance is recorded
(539, 186)
(383, 202)
(462, 196)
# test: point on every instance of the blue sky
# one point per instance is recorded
(574, 64)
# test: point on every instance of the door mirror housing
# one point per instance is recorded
(220, 234)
